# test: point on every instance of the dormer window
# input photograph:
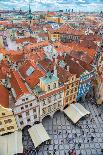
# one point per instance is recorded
(48, 87)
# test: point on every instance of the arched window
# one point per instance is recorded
(54, 85)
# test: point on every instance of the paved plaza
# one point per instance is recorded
(86, 138)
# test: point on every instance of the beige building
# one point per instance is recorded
(7, 120)
(50, 95)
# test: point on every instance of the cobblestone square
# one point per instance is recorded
(86, 137)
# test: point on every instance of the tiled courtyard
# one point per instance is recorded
(86, 137)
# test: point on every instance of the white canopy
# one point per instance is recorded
(75, 112)
(38, 134)
(11, 144)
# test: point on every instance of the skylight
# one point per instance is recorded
(30, 71)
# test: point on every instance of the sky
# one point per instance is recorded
(53, 5)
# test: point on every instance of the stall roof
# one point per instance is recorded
(75, 112)
(38, 134)
(11, 144)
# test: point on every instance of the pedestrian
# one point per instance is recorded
(73, 152)
(79, 145)
(92, 138)
(59, 133)
(82, 132)
(99, 115)
(69, 152)
(75, 134)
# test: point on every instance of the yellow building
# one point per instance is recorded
(53, 35)
(71, 90)
(7, 120)
(53, 19)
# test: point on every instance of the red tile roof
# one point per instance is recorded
(4, 96)
(17, 84)
(29, 39)
(67, 29)
(48, 65)
(32, 79)
(37, 45)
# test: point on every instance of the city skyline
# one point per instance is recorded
(45, 5)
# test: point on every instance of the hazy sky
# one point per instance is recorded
(87, 5)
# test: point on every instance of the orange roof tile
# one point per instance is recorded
(32, 79)
(4, 96)
(37, 45)
(30, 39)
(17, 84)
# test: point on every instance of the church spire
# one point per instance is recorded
(29, 9)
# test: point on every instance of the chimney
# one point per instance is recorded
(68, 67)
(55, 70)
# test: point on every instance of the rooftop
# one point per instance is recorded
(49, 78)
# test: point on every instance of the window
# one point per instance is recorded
(21, 122)
(44, 103)
(26, 106)
(7, 121)
(49, 99)
(1, 130)
(20, 116)
(34, 110)
(54, 85)
(72, 85)
(71, 91)
(74, 96)
(22, 108)
(3, 114)
(27, 113)
(0, 123)
(54, 97)
(23, 100)
(71, 98)
(48, 87)
(28, 120)
(10, 127)
(67, 93)
(30, 104)
(49, 109)
(75, 89)
(35, 116)
(44, 111)
(66, 99)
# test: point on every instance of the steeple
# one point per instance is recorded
(29, 9)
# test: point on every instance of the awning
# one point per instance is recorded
(11, 144)
(75, 112)
(38, 134)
